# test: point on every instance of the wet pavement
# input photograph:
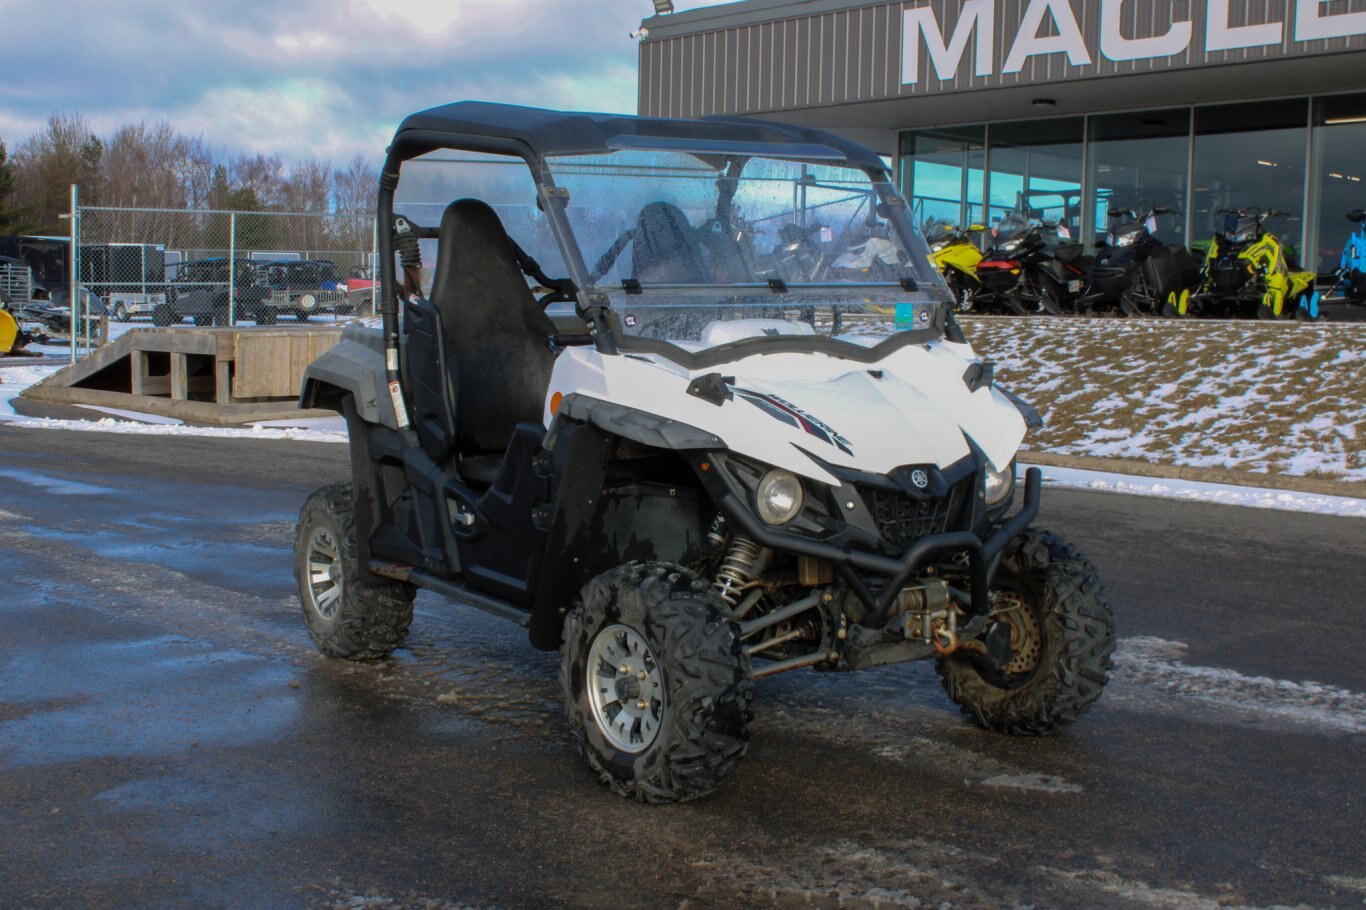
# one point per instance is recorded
(169, 737)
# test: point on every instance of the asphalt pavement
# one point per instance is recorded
(169, 737)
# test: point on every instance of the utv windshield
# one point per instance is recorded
(700, 250)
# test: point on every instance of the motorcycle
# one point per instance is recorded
(1247, 271)
(1133, 271)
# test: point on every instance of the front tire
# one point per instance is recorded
(1062, 633)
(656, 683)
(349, 612)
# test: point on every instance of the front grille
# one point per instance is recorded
(903, 519)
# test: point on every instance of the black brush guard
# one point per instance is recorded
(983, 555)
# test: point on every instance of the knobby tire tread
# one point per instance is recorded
(708, 683)
(1075, 663)
(374, 613)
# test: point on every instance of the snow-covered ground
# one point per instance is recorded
(1195, 491)
(1273, 397)
(17, 374)
(1331, 436)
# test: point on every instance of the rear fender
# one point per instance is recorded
(354, 367)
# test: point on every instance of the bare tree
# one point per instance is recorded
(262, 175)
(308, 187)
(195, 169)
(141, 168)
(354, 189)
(48, 162)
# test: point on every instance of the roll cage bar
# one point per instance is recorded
(534, 134)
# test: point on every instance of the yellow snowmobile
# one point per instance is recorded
(1248, 272)
(956, 255)
(13, 340)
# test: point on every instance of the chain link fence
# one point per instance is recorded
(170, 266)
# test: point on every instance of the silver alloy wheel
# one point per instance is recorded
(625, 688)
(324, 573)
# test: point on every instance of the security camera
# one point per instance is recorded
(640, 33)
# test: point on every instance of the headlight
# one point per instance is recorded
(999, 484)
(778, 497)
(1126, 239)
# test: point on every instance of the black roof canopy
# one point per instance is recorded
(534, 133)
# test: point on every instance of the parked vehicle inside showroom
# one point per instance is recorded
(1351, 271)
(955, 253)
(1016, 275)
(1134, 272)
(683, 475)
(1249, 272)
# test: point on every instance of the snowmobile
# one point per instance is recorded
(1351, 271)
(1133, 272)
(1248, 272)
(954, 252)
(1019, 274)
(685, 483)
(13, 339)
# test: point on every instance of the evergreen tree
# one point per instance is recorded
(13, 219)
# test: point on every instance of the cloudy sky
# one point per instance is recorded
(301, 78)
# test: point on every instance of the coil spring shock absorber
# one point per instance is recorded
(737, 569)
(409, 256)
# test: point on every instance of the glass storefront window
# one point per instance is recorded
(1340, 174)
(1036, 168)
(1074, 170)
(941, 173)
(1250, 155)
(1139, 162)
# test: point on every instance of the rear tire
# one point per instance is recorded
(162, 314)
(1062, 634)
(349, 612)
(675, 723)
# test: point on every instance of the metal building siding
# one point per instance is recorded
(853, 54)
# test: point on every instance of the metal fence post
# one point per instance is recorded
(232, 268)
(74, 261)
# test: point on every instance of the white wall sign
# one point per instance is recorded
(977, 24)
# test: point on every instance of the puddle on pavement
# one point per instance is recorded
(145, 697)
(54, 485)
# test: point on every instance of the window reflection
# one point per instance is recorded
(1250, 155)
(942, 174)
(1036, 169)
(1340, 169)
(1139, 162)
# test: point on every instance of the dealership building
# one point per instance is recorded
(1067, 108)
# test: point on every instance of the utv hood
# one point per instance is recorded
(797, 410)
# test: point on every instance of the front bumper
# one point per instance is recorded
(983, 555)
